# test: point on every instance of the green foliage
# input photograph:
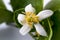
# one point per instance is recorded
(6, 16)
(53, 5)
(17, 4)
(2, 4)
(56, 26)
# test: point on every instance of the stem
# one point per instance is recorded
(50, 36)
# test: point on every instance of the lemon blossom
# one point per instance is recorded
(30, 19)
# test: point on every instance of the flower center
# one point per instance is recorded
(31, 18)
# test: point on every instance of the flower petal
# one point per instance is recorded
(25, 29)
(33, 33)
(29, 8)
(21, 18)
(44, 14)
(40, 29)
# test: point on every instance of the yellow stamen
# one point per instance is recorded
(31, 18)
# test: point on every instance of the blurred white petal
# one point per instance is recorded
(21, 18)
(8, 5)
(40, 29)
(33, 33)
(44, 14)
(29, 8)
(25, 29)
(3, 26)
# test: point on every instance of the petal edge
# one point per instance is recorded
(40, 29)
(21, 18)
(25, 29)
(44, 14)
(29, 8)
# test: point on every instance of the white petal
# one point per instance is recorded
(25, 29)
(21, 18)
(33, 33)
(40, 29)
(44, 14)
(29, 8)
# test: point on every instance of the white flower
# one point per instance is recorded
(30, 19)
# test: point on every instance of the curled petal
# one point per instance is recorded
(29, 8)
(40, 29)
(21, 18)
(25, 29)
(44, 14)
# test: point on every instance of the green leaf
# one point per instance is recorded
(56, 26)
(17, 4)
(53, 5)
(2, 4)
(6, 16)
